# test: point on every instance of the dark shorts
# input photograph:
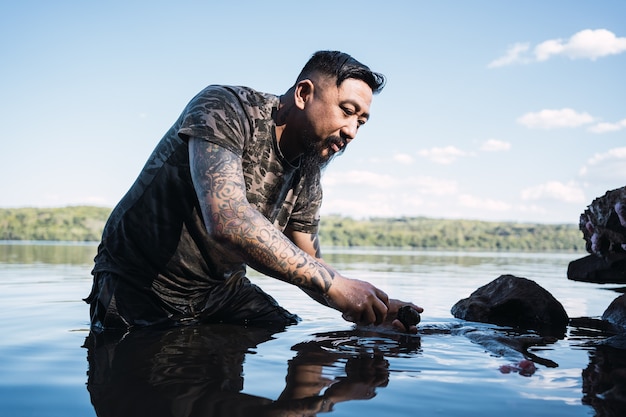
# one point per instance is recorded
(117, 305)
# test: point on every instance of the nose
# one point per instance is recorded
(349, 130)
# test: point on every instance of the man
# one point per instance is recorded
(236, 182)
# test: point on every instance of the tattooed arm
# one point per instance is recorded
(219, 183)
(310, 244)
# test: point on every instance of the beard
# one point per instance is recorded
(314, 160)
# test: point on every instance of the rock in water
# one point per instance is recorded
(616, 313)
(408, 316)
(603, 223)
(516, 302)
(610, 268)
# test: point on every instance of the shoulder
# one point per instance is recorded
(244, 101)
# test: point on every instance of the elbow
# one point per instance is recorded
(230, 227)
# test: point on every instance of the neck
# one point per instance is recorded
(286, 141)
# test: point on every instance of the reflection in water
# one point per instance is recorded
(29, 253)
(604, 380)
(387, 259)
(198, 371)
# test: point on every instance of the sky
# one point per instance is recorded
(493, 110)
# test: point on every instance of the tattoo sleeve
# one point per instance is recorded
(219, 183)
(315, 240)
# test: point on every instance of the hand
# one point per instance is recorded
(394, 306)
(363, 375)
(359, 301)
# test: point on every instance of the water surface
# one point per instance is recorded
(322, 365)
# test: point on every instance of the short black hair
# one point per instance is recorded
(342, 66)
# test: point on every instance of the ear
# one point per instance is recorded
(303, 93)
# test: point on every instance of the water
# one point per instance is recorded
(321, 365)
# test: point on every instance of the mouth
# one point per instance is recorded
(336, 144)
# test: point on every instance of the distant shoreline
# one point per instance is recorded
(85, 224)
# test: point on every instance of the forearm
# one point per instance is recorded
(230, 219)
(269, 251)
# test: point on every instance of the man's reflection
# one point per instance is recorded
(198, 371)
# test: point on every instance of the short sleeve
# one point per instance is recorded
(216, 115)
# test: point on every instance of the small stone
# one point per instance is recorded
(408, 316)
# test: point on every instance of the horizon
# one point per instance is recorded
(332, 215)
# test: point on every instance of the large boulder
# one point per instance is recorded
(603, 223)
(608, 269)
(616, 314)
(516, 302)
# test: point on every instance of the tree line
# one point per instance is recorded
(85, 224)
(76, 223)
(429, 233)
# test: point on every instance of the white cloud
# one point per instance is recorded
(444, 156)
(608, 127)
(370, 205)
(494, 145)
(442, 198)
(612, 154)
(513, 55)
(544, 50)
(586, 44)
(431, 186)
(423, 185)
(548, 119)
(485, 204)
(555, 190)
(403, 158)
(606, 167)
(358, 177)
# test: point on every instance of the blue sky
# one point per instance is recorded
(493, 110)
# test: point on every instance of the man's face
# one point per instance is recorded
(334, 116)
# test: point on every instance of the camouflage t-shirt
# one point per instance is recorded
(156, 239)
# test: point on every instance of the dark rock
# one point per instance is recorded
(603, 223)
(408, 316)
(516, 302)
(616, 313)
(601, 270)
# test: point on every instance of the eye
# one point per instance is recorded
(348, 111)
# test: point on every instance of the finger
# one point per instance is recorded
(398, 325)
(368, 316)
(348, 317)
(382, 296)
(416, 308)
(380, 310)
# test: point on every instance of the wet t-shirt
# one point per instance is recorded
(155, 238)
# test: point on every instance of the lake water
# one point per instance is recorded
(321, 365)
